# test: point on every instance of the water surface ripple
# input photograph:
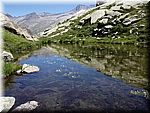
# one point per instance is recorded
(63, 84)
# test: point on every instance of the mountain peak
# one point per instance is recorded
(80, 7)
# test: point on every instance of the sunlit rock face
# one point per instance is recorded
(33, 20)
(122, 16)
(7, 103)
(8, 24)
(26, 107)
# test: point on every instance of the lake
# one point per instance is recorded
(68, 78)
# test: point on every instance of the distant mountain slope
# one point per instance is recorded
(11, 26)
(38, 22)
(115, 22)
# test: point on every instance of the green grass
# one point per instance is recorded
(10, 68)
(18, 46)
(86, 33)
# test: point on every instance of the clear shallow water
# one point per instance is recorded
(125, 62)
(63, 84)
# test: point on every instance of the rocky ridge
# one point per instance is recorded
(11, 26)
(110, 20)
(33, 20)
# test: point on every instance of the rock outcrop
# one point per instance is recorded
(131, 19)
(8, 24)
(33, 20)
(114, 17)
(94, 16)
(7, 103)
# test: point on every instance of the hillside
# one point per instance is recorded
(11, 26)
(108, 23)
(117, 22)
(33, 20)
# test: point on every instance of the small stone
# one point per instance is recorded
(7, 56)
(108, 26)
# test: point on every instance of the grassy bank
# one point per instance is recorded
(10, 68)
(78, 32)
(18, 46)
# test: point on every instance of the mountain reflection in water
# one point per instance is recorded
(64, 84)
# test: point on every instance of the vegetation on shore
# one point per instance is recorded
(84, 32)
(19, 46)
(10, 68)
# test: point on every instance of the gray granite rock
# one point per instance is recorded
(104, 21)
(7, 56)
(28, 68)
(7, 103)
(7, 23)
(28, 106)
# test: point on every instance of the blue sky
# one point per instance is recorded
(20, 9)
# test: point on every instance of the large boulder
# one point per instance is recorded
(26, 107)
(28, 68)
(94, 16)
(7, 56)
(6, 103)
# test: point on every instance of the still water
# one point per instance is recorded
(68, 80)
(126, 62)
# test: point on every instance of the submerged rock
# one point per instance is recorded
(28, 68)
(6, 103)
(28, 106)
(7, 56)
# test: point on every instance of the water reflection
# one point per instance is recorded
(63, 84)
(125, 62)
